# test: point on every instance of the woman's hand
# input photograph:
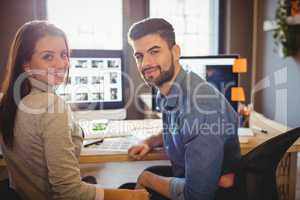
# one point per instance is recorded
(140, 194)
(122, 194)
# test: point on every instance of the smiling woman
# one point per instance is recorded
(40, 142)
(22, 58)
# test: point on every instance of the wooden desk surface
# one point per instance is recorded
(88, 156)
(273, 128)
(100, 157)
(259, 139)
(256, 119)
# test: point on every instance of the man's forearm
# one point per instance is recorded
(157, 183)
(155, 140)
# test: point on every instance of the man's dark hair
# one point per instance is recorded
(152, 26)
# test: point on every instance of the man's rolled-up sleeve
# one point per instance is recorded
(204, 157)
(203, 163)
(177, 188)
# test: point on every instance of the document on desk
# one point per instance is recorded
(121, 134)
(244, 134)
(95, 129)
(114, 145)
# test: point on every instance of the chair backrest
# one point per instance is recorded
(6, 192)
(255, 175)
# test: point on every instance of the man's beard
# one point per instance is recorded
(164, 76)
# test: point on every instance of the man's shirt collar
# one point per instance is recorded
(176, 92)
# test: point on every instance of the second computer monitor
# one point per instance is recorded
(216, 70)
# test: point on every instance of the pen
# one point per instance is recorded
(94, 142)
(260, 129)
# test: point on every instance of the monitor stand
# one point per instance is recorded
(115, 114)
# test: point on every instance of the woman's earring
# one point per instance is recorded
(27, 69)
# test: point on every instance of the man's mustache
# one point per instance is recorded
(149, 68)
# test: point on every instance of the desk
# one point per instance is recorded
(286, 172)
(98, 157)
(256, 119)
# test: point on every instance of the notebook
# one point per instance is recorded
(95, 129)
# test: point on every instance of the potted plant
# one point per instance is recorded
(287, 33)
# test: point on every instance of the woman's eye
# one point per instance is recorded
(48, 57)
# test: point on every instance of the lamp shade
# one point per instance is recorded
(240, 65)
(237, 94)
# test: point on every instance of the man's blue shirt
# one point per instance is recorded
(200, 136)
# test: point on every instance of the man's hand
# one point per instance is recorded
(154, 182)
(138, 186)
(141, 181)
(139, 151)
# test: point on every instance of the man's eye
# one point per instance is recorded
(154, 52)
(138, 57)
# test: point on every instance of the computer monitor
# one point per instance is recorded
(95, 80)
(217, 70)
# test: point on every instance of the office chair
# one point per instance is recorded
(255, 174)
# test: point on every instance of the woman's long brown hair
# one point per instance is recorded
(21, 51)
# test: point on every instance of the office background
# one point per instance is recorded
(240, 32)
